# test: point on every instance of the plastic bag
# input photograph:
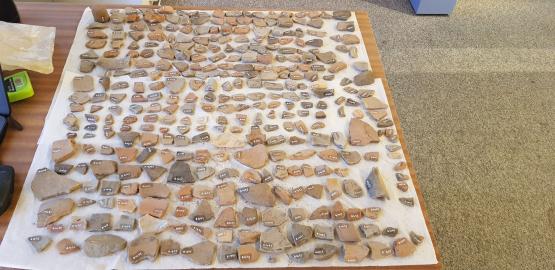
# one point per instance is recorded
(24, 46)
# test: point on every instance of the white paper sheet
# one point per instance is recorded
(15, 251)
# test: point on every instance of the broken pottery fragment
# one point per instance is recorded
(169, 247)
(227, 253)
(407, 201)
(258, 194)
(39, 242)
(126, 154)
(150, 224)
(156, 190)
(369, 230)
(103, 168)
(403, 247)
(314, 191)
(202, 253)
(299, 234)
(255, 157)
(273, 241)
(351, 157)
(300, 257)
(379, 250)
(329, 155)
(228, 218)
(62, 150)
(66, 246)
(324, 252)
(154, 171)
(283, 195)
(361, 133)
(126, 172)
(416, 238)
(145, 154)
(53, 210)
(347, 232)
(352, 188)
(373, 103)
(144, 247)
(203, 192)
(225, 194)
(228, 140)
(202, 213)
(323, 232)
(249, 216)
(333, 188)
(354, 253)
(321, 212)
(225, 236)
(204, 172)
(297, 214)
(99, 222)
(302, 154)
(364, 78)
(83, 83)
(125, 223)
(375, 185)
(109, 188)
(180, 173)
(273, 217)
(153, 206)
(390, 231)
(248, 236)
(247, 253)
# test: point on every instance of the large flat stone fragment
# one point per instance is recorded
(48, 184)
(100, 245)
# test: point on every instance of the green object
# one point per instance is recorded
(18, 86)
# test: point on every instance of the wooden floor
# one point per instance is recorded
(19, 146)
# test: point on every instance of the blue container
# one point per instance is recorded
(433, 7)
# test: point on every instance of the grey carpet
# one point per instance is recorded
(476, 96)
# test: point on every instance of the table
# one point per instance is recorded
(19, 147)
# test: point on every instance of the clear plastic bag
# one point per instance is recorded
(24, 46)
